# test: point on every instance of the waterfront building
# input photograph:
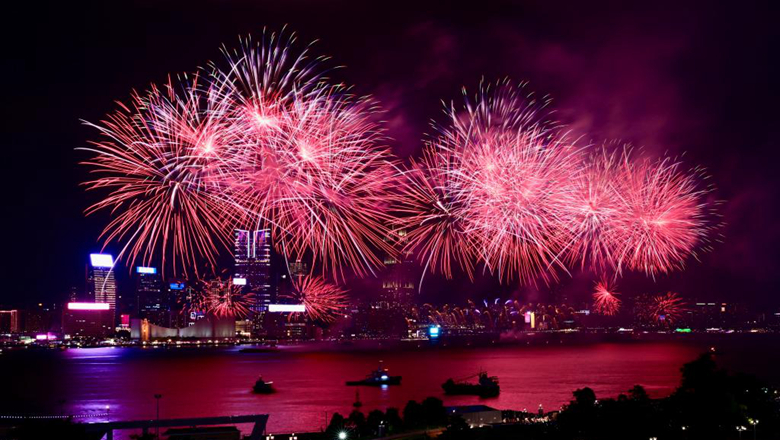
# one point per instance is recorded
(101, 281)
(152, 302)
(9, 321)
(87, 319)
(210, 327)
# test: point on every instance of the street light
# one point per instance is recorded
(754, 422)
(108, 413)
(158, 397)
(739, 431)
(342, 435)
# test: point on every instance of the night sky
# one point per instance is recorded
(698, 79)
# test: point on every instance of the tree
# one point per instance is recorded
(434, 413)
(638, 394)
(358, 421)
(413, 415)
(393, 420)
(374, 419)
(335, 426)
(585, 397)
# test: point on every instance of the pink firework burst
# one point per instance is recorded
(591, 211)
(605, 298)
(154, 160)
(320, 181)
(495, 180)
(663, 216)
(323, 300)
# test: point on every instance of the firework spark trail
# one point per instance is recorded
(605, 298)
(323, 300)
(591, 211)
(432, 218)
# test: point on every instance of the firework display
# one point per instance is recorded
(264, 143)
(502, 186)
(605, 298)
(267, 142)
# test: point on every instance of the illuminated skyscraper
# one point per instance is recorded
(100, 280)
(152, 302)
(253, 264)
(398, 279)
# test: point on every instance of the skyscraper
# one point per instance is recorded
(100, 280)
(152, 302)
(253, 264)
(398, 280)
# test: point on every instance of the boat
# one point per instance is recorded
(263, 387)
(486, 386)
(378, 377)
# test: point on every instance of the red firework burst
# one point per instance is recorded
(225, 299)
(154, 160)
(323, 300)
(605, 298)
(667, 309)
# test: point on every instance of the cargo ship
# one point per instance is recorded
(486, 386)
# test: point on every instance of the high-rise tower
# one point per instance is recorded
(253, 264)
(152, 302)
(100, 280)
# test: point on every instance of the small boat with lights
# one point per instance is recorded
(486, 386)
(263, 387)
(376, 378)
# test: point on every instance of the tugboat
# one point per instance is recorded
(487, 386)
(263, 387)
(378, 377)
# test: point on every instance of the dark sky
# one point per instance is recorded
(694, 78)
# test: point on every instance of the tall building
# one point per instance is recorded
(100, 280)
(90, 319)
(253, 265)
(398, 279)
(151, 301)
(9, 321)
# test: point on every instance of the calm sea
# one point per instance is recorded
(310, 377)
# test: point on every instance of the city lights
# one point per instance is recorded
(101, 260)
(88, 306)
